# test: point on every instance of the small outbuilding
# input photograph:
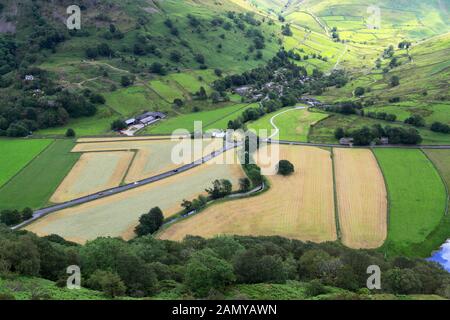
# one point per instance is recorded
(346, 141)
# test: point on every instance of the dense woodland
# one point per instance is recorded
(199, 268)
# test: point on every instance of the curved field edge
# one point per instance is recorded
(361, 198)
(417, 199)
(17, 154)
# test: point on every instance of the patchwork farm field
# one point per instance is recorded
(16, 154)
(361, 198)
(417, 197)
(294, 125)
(300, 206)
(34, 185)
(153, 156)
(94, 172)
(118, 215)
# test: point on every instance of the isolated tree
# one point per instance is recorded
(285, 167)
(339, 133)
(178, 102)
(359, 91)
(150, 222)
(218, 72)
(70, 133)
(395, 81)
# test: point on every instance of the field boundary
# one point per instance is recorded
(311, 127)
(335, 196)
(442, 179)
(27, 164)
(388, 221)
(388, 196)
(130, 164)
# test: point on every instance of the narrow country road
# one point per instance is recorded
(277, 130)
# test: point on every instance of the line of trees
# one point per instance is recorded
(199, 268)
(368, 135)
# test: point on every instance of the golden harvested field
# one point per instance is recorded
(92, 173)
(300, 206)
(361, 198)
(117, 215)
(155, 156)
(112, 139)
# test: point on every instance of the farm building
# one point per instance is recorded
(346, 141)
(146, 118)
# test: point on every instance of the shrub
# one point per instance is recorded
(285, 168)
(150, 222)
(70, 133)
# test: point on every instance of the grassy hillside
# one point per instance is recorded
(187, 41)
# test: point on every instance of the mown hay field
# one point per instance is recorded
(417, 197)
(94, 172)
(300, 206)
(155, 156)
(361, 198)
(118, 215)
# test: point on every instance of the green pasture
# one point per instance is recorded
(16, 154)
(34, 185)
(417, 197)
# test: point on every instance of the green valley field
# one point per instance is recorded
(417, 198)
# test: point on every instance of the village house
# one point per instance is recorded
(346, 141)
